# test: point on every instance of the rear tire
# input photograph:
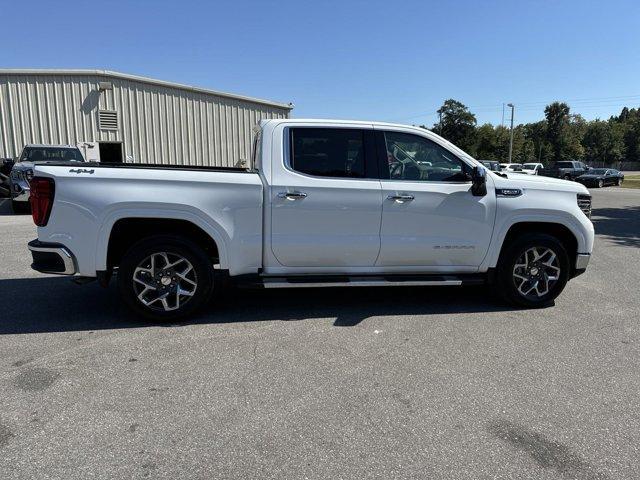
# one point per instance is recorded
(539, 282)
(567, 177)
(165, 277)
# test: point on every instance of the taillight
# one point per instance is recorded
(41, 199)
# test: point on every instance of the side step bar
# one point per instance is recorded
(317, 281)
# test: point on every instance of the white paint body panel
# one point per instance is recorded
(342, 226)
(226, 205)
(445, 225)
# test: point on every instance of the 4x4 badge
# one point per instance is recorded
(81, 170)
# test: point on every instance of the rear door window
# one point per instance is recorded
(328, 152)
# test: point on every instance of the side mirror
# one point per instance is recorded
(478, 182)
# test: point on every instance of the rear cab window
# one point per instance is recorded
(331, 152)
(564, 165)
(51, 154)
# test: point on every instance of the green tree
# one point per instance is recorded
(457, 124)
(486, 142)
(603, 142)
(557, 115)
(630, 124)
(561, 135)
(536, 134)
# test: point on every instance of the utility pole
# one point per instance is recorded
(502, 123)
(540, 154)
(511, 139)
(440, 123)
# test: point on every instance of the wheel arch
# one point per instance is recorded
(120, 233)
(560, 231)
(567, 233)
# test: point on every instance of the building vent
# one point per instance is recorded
(108, 120)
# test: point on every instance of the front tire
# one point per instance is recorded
(165, 277)
(600, 183)
(619, 182)
(533, 270)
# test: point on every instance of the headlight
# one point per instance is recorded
(16, 175)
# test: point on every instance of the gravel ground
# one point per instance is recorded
(328, 383)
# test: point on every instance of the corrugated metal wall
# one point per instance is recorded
(157, 123)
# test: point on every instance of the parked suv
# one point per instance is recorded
(22, 170)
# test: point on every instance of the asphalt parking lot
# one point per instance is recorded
(351, 383)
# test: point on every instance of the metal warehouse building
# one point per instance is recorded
(115, 117)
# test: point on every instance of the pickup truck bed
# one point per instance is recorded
(93, 198)
(568, 170)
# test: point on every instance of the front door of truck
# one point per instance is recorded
(326, 199)
(429, 215)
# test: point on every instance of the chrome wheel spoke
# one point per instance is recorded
(536, 271)
(187, 293)
(164, 281)
(542, 286)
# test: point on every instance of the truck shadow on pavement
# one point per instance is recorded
(55, 304)
(620, 225)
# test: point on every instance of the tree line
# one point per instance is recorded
(560, 136)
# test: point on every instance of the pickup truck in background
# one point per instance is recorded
(22, 170)
(324, 204)
(568, 170)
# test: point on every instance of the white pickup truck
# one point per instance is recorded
(325, 203)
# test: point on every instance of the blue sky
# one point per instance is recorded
(393, 61)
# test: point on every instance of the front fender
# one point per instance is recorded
(571, 217)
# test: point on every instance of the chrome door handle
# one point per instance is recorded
(401, 198)
(292, 195)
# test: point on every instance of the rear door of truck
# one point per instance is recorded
(326, 198)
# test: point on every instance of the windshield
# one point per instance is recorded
(51, 154)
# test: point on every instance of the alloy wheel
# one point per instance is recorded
(164, 281)
(536, 271)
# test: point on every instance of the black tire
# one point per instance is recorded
(619, 182)
(176, 247)
(506, 269)
(567, 177)
(600, 183)
(20, 207)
